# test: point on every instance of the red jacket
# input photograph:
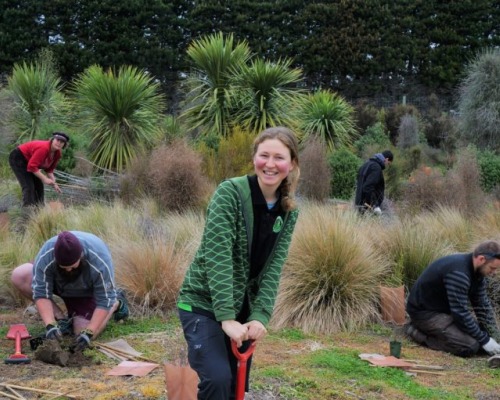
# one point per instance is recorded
(37, 153)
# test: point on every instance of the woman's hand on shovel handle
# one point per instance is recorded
(256, 330)
(235, 331)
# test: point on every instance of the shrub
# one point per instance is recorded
(366, 115)
(393, 118)
(175, 177)
(231, 156)
(425, 188)
(428, 188)
(489, 164)
(375, 137)
(344, 167)
(314, 172)
(171, 175)
(465, 183)
(479, 100)
(134, 183)
(410, 159)
(330, 281)
(408, 132)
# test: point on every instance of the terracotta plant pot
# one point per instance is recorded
(392, 304)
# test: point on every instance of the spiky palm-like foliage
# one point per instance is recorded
(479, 100)
(215, 59)
(37, 95)
(120, 111)
(330, 281)
(328, 116)
(266, 94)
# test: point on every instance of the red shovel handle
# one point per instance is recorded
(241, 375)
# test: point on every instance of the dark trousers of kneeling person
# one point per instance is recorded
(210, 355)
(32, 187)
(439, 332)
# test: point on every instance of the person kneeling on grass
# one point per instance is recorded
(77, 267)
(438, 304)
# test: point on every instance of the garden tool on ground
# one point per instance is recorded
(18, 332)
(241, 375)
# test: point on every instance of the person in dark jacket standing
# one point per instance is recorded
(229, 290)
(29, 159)
(370, 184)
(438, 304)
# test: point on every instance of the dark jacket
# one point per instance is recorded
(370, 184)
(449, 285)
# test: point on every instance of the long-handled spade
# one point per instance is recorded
(241, 375)
(18, 332)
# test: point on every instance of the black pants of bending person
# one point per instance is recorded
(31, 186)
(439, 332)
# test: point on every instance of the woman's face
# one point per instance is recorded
(272, 163)
(57, 144)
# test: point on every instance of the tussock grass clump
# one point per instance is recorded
(151, 270)
(449, 224)
(150, 252)
(488, 223)
(411, 247)
(330, 281)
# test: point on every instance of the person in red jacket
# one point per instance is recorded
(29, 159)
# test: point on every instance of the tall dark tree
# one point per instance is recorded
(20, 32)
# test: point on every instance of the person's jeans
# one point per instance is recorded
(210, 355)
(32, 186)
(444, 335)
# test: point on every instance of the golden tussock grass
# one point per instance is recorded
(330, 281)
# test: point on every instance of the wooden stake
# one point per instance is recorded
(124, 353)
(17, 394)
(431, 367)
(422, 371)
(10, 396)
(34, 390)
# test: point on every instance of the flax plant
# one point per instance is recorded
(266, 94)
(215, 59)
(38, 97)
(121, 111)
(330, 281)
(329, 117)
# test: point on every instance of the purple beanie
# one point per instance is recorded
(67, 249)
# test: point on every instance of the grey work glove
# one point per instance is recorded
(82, 341)
(492, 347)
(53, 332)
